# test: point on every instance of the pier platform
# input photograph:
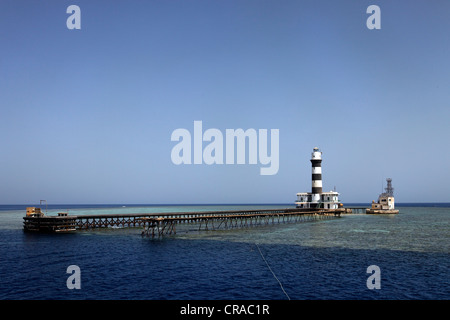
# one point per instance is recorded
(382, 211)
(355, 209)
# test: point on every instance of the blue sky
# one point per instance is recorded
(87, 115)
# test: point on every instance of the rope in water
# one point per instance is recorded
(272, 272)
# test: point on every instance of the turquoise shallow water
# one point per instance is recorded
(313, 260)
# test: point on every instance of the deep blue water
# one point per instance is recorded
(314, 260)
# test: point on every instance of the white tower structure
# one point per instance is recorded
(316, 162)
(317, 198)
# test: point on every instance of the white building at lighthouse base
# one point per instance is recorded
(324, 200)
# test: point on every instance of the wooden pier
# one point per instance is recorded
(355, 210)
(216, 220)
(158, 224)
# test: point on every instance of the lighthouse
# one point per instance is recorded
(316, 163)
(317, 198)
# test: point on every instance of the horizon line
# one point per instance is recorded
(202, 204)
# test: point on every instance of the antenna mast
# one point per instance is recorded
(389, 189)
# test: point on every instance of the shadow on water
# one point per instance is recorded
(124, 265)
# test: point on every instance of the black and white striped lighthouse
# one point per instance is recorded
(317, 198)
(316, 162)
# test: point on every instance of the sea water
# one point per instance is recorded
(326, 259)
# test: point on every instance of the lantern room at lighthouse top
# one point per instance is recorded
(316, 154)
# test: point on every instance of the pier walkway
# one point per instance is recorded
(355, 209)
(158, 224)
(215, 220)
